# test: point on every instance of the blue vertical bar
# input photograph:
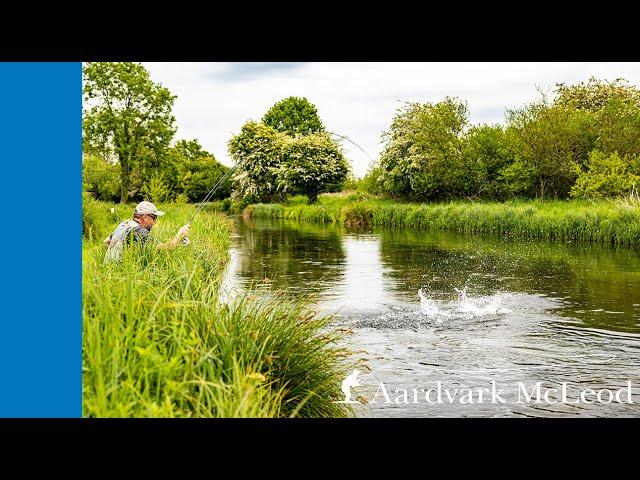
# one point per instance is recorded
(40, 282)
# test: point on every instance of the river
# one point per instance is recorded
(501, 321)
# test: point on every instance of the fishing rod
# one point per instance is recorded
(209, 195)
(212, 191)
(349, 140)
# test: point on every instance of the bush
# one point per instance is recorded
(549, 141)
(157, 190)
(422, 152)
(275, 165)
(607, 176)
(181, 199)
(101, 178)
(95, 220)
(487, 154)
(357, 214)
(258, 149)
(618, 127)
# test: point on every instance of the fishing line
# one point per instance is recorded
(349, 140)
(222, 179)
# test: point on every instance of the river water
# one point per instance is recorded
(497, 320)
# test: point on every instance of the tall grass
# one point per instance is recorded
(94, 217)
(609, 221)
(159, 342)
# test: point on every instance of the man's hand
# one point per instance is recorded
(183, 232)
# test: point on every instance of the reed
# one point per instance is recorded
(607, 221)
(158, 341)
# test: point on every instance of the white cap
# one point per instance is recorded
(148, 208)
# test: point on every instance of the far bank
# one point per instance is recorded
(604, 221)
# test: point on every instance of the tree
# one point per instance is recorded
(607, 176)
(258, 149)
(618, 128)
(487, 153)
(311, 165)
(595, 94)
(126, 115)
(423, 150)
(190, 170)
(294, 116)
(550, 141)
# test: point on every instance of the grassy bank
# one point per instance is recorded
(610, 221)
(158, 342)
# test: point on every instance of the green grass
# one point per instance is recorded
(609, 221)
(159, 342)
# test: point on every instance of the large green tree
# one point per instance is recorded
(550, 142)
(288, 152)
(128, 116)
(273, 165)
(294, 116)
(258, 151)
(312, 164)
(423, 150)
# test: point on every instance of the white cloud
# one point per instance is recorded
(357, 100)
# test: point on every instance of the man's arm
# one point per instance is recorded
(173, 243)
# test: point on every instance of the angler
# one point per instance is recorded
(137, 229)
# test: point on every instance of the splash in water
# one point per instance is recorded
(470, 307)
(428, 306)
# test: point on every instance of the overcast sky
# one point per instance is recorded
(357, 100)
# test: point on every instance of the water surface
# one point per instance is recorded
(509, 311)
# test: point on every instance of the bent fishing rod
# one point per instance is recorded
(220, 182)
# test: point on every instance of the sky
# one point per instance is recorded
(356, 100)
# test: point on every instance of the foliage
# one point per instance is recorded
(197, 172)
(258, 148)
(181, 199)
(101, 177)
(128, 116)
(595, 94)
(294, 116)
(286, 154)
(549, 141)
(487, 153)
(311, 165)
(432, 154)
(156, 190)
(423, 148)
(608, 176)
(618, 128)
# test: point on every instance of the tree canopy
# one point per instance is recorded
(127, 115)
(294, 116)
(287, 153)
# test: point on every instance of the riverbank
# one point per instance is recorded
(606, 221)
(159, 342)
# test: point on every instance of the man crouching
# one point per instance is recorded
(137, 229)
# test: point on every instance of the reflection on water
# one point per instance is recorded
(492, 309)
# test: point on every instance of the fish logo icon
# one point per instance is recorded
(348, 383)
